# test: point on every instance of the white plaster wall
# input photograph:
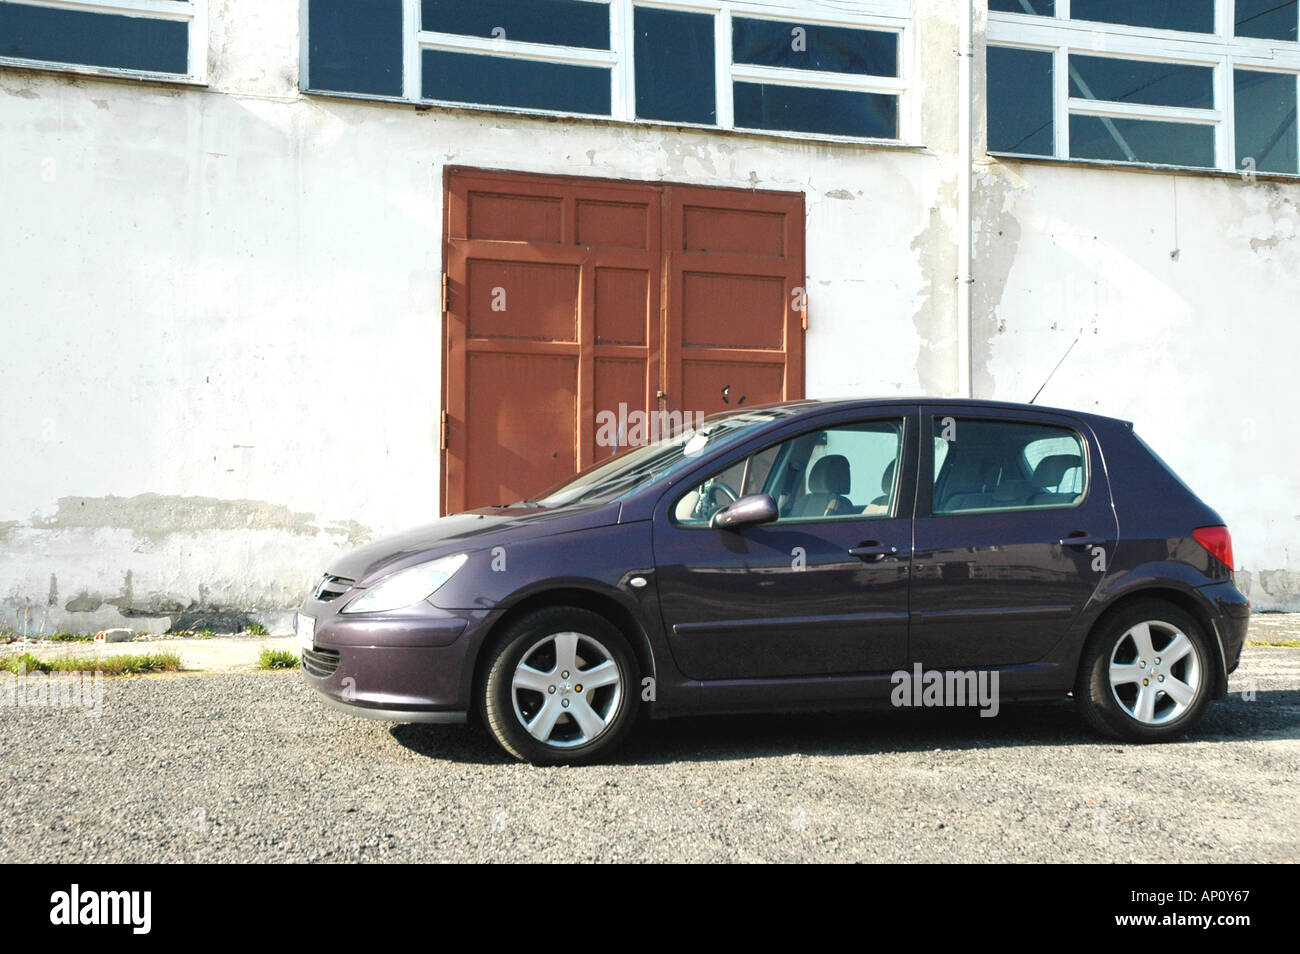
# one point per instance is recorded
(1182, 290)
(220, 309)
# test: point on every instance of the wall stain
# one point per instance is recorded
(156, 516)
(936, 253)
(996, 239)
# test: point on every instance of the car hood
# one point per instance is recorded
(472, 530)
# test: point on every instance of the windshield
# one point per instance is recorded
(638, 466)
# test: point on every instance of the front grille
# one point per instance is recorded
(332, 587)
(320, 662)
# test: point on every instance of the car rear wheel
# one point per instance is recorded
(1146, 674)
(559, 687)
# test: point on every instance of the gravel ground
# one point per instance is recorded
(251, 767)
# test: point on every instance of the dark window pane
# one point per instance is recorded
(526, 84)
(805, 47)
(833, 112)
(674, 66)
(1141, 140)
(355, 46)
(558, 22)
(1139, 81)
(980, 472)
(1266, 130)
(1045, 8)
(1268, 19)
(1191, 16)
(1020, 101)
(94, 39)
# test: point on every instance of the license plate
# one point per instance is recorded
(306, 629)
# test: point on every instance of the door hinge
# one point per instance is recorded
(444, 293)
(442, 432)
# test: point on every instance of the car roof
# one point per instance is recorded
(830, 404)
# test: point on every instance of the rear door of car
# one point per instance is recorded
(810, 594)
(1013, 531)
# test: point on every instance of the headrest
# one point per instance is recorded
(887, 479)
(1052, 470)
(830, 475)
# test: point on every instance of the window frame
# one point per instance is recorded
(1222, 51)
(192, 12)
(883, 15)
(906, 418)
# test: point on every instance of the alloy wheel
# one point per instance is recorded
(1155, 672)
(566, 690)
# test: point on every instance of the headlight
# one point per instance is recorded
(407, 587)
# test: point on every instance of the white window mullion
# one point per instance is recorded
(1061, 100)
(1224, 89)
(622, 39)
(198, 41)
(722, 69)
(412, 55)
(1225, 18)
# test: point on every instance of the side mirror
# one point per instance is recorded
(747, 511)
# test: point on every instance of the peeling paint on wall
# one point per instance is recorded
(936, 252)
(156, 516)
(996, 241)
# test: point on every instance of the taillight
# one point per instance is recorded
(1218, 541)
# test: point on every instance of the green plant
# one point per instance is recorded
(120, 665)
(72, 637)
(257, 629)
(277, 659)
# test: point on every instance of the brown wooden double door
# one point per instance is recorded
(567, 298)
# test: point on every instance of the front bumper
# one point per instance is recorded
(416, 666)
(395, 715)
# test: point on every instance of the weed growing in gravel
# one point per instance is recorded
(1282, 644)
(277, 659)
(257, 629)
(71, 637)
(124, 665)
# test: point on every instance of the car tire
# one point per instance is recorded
(559, 687)
(1131, 665)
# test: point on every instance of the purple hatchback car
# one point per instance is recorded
(801, 556)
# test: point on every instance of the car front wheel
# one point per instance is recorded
(1146, 674)
(559, 687)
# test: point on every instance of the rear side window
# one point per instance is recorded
(1005, 465)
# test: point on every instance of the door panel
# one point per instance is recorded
(733, 331)
(788, 599)
(992, 585)
(648, 297)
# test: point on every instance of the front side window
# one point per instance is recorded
(695, 62)
(152, 38)
(1005, 465)
(1206, 84)
(844, 472)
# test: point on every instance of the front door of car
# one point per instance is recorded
(1014, 528)
(820, 591)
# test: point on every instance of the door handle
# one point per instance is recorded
(1080, 538)
(872, 551)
